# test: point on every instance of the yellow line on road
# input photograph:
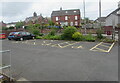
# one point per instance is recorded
(111, 47)
(101, 49)
(58, 44)
(105, 46)
(96, 45)
(69, 45)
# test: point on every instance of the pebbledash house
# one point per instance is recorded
(66, 17)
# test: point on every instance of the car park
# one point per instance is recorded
(20, 36)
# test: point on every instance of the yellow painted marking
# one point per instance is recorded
(111, 47)
(69, 45)
(76, 47)
(58, 43)
(96, 45)
(101, 50)
(98, 49)
(105, 46)
(79, 47)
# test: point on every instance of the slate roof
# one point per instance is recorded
(66, 12)
(101, 19)
(114, 12)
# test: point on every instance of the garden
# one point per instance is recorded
(69, 33)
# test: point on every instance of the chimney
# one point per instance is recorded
(60, 8)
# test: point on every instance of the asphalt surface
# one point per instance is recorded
(37, 62)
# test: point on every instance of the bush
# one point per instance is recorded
(38, 37)
(68, 32)
(89, 38)
(52, 33)
(56, 37)
(99, 34)
(41, 34)
(77, 36)
(36, 32)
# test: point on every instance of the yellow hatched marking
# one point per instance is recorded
(101, 50)
(58, 44)
(96, 45)
(69, 45)
(105, 46)
(111, 47)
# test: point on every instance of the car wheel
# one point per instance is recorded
(21, 39)
(9, 39)
(33, 37)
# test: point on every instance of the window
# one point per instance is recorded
(27, 33)
(76, 23)
(56, 18)
(76, 18)
(66, 11)
(66, 17)
(74, 11)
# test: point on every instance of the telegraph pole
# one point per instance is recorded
(100, 12)
(84, 15)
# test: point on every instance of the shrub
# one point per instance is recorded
(36, 32)
(77, 36)
(38, 37)
(52, 33)
(56, 37)
(47, 36)
(99, 34)
(89, 38)
(68, 32)
(41, 34)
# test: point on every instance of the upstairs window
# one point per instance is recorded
(56, 18)
(66, 17)
(76, 18)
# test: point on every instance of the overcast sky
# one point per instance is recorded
(16, 10)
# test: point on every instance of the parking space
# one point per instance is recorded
(103, 47)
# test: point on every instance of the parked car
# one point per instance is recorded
(20, 36)
(2, 35)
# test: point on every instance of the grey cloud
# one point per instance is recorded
(11, 9)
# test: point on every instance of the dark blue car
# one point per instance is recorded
(20, 36)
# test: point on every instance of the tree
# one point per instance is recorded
(19, 24)
(51, 23)
(68, 32)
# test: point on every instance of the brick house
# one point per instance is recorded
(36, 19)
(2, 24)
(66, 17)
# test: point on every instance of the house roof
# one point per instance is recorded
(114, 12)
(66, 12)
(101, 19)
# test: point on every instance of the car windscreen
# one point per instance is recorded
(13, 33)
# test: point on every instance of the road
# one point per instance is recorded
(46, 63)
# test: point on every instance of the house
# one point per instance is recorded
(12, 24)
(36, 19)
(2, 24)
(100, 21)
(112, 20)
(66, 17)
